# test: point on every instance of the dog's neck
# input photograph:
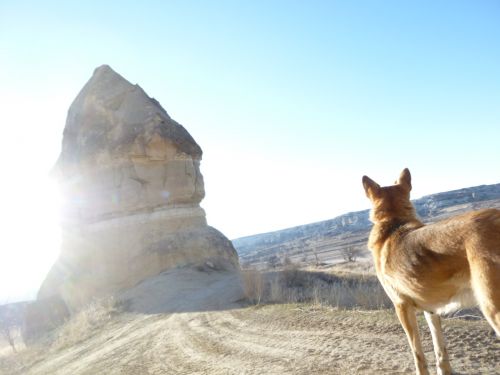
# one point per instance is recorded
(383, 229)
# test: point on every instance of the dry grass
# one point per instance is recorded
(80, 327)
(87, 321)
(253, 284)
(293, 285)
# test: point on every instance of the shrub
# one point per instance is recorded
(253, 284)
(292, 285)
(350, 254)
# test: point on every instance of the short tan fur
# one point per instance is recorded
(435, 268)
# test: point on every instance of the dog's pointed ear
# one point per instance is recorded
(405, 179)
(371, 187)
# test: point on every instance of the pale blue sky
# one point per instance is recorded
(291, 101)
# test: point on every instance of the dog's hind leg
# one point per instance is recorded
(443, 363)
(485, 277)
(408, 319)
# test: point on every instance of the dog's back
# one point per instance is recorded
(433, 265)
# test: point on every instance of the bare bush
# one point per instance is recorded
(293, 276)
(253, 284)
(350, 254)
(273, 261)
(293, 285)
(287, 261)
(353, 293)
(10, 324)
(274, 292)
(312, 243)
(8, 331)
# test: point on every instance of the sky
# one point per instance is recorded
(291, 101)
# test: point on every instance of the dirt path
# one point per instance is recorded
(177, 327)
(279, 339)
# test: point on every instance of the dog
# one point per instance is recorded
(436, 268)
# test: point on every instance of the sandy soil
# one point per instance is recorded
(272, 339)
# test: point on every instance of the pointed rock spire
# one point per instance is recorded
(131, 182)
(110, 118)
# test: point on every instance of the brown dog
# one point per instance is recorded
(436, 268)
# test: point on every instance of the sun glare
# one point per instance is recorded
(32, 240)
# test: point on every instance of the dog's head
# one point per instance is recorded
(390, 202)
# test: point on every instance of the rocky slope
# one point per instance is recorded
(328, 238)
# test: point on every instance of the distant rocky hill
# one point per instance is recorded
(326, 239)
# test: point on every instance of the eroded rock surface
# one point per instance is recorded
(122, 153)
(131, 182)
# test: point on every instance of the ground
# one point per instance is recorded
(271, 339)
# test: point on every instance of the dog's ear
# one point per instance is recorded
(371, 187)
(405, 179)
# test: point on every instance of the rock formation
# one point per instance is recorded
(131, 184)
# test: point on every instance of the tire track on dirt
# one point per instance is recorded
(271, 340)
(220, 351)
(253, 341)
(226, 342)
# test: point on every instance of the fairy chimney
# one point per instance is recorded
(131, 185)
